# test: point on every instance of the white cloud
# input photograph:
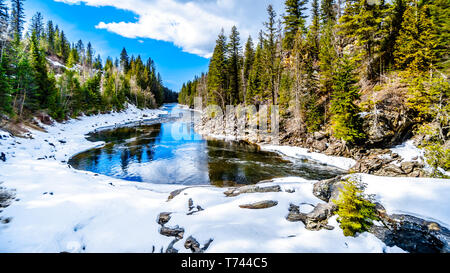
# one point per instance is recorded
(191, 25)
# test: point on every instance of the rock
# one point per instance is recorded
(320, 145)
(319, 135)
(172, 232)
(164, 218)
(408, 167)
(260, 205)
(327, 190)
(170, 248)
(175, 193)
(3, 157)
(413, 234)
(315, 220)
(251, 189)
(192, 244)
(390, 170)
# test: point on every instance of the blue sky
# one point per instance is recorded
(178, 35)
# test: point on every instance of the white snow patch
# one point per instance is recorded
(302, 153)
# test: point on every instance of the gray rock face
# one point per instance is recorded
(172, 232)
(163, 218)
(315, 220)
(260, 205)
(327, 190)
(192, 244)
(251, 189)
(413, 234)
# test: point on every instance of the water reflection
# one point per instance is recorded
(154, 154)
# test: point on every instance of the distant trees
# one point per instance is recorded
(44, 71)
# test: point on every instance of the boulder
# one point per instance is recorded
(163, 218)
(413, 234)
(251, 189)
(172, 232)
(260, 205)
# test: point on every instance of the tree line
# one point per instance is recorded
(41, 70)
(316, 71)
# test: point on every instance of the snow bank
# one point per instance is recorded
(425, 198)
(302, 153)
(408, 151)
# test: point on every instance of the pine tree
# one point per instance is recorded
(249, 57)
(50, 37)
(64, 47)
(46, 87)
(234, 67)
(440, 12)
(346, 121)
(270, 52)
(294, 20)
(37, 25)
(89, 55)
(5, 91)
(74, 58)
(17, 18)
(364, 21)
(256, 86)
(356, 213)
(327, 11)
(216, 77)
(416, 44)
(124, 61)
(4, 17)
(327, 58)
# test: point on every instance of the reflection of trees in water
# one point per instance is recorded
(124, 159)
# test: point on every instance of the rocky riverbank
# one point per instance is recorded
(386, 133)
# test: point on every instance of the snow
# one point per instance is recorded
(302, 153)
(425, 198)
(58, 209)
(408, 151)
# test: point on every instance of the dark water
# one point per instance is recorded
(172, 153)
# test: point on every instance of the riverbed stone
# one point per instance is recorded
(260, 205)
(164, 218)
(172, 231)
(251, 189)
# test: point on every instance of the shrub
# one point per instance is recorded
(356, 212)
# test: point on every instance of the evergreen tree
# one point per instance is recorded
(17, 18)
(346, 121)
(417, 42)
(271, 53)
(3, 28)
(124, 61)
(327, 57)
(50, 37)
(46, 87)
(37, 25)
(364, 21)
(327, 11)
(89, 55)
(5, 91)
(294, 20)
(234, 67)
(356, 213)
(249, 57)
(216, 77)
(255, 93)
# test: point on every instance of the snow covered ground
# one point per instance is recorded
(302, 153)
(57, 208)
